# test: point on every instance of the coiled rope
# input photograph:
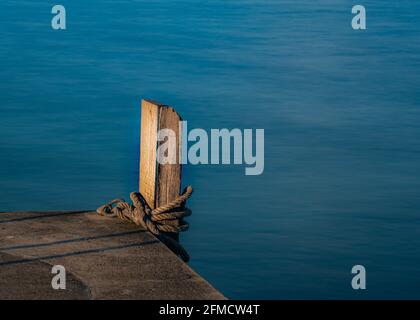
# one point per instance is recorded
(161, 221)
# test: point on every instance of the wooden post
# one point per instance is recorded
(159, 184)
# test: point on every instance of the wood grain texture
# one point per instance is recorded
(148, 144)
(159, 183)
(169, 175)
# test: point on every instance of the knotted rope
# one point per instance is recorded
(165, 219)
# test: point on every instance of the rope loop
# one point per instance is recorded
(159, 221)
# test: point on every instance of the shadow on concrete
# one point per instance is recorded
(44, 215)
(77, 253)
(47, 244)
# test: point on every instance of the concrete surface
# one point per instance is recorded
(105, 258)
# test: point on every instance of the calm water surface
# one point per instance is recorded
(340, 109)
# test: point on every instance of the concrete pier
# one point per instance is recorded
(104, 258)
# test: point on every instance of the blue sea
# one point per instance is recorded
(340, 109)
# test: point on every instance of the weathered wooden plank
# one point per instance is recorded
(148, 149)
(169, 175)
(159, 183)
